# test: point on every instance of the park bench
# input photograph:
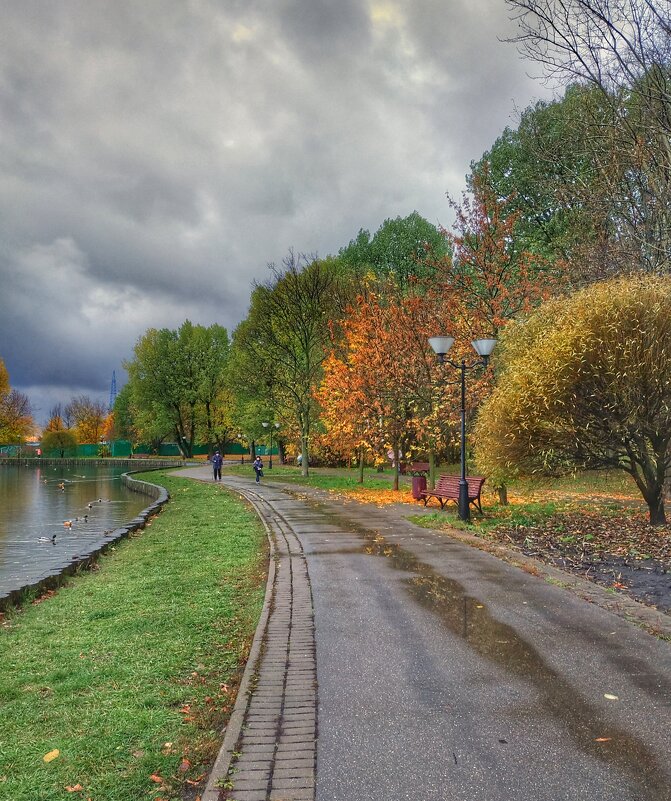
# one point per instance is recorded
(414, 469)
(447, 489)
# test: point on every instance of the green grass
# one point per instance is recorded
(128, 669)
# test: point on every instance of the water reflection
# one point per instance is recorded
(51, 515)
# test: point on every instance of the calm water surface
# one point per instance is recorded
(36, 502)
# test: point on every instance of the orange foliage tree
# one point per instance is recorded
(493, 276)
(381, 389)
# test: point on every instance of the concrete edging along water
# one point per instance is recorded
(158, 493)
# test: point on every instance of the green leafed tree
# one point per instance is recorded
(585, 383)
(618, 53)
(279, 349)
(401, 248)
(62, 440)
(176, 379)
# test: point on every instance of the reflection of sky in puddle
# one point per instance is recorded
(77, 505)
(468, 618)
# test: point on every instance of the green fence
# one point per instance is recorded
(119, 449)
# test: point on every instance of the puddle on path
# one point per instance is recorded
(469, 619)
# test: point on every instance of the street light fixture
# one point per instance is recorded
(484, 348)
(276, 426)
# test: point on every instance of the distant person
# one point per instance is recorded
(258, 468)
(217, 461)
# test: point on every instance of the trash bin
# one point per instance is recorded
(418, 486)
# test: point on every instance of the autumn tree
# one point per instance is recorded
(586, 384)
(16, 421)
(382, 389)
(491, 272)
(88, 418)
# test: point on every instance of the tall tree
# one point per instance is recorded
(619, 48)
(494, 276)
(281, 346)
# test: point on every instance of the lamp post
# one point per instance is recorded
(271, 426)
(484, 348)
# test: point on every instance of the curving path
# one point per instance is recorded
(442, 672)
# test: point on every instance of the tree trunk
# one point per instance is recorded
(360, 480)
(503, 494)
(656, 510)
(397, 452)
(432, 469)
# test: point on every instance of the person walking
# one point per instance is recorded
(258, 468)
(217, 461)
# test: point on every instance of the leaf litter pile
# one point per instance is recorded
(621, 551)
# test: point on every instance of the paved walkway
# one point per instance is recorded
(432, 671)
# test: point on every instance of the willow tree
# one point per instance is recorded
(585, 383)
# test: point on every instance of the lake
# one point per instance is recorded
(50, 515)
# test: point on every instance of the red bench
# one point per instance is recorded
(447, 489)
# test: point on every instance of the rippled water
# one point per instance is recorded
(76, 504)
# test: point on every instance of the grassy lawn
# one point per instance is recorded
(116, 687)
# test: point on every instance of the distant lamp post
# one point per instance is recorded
(271, 426)
(484, 348)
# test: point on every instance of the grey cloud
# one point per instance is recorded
(157, 155)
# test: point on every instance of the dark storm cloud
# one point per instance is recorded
(157, 155)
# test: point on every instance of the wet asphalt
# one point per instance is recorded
(445, 673)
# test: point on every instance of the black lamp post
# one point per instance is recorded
(276, 426)
(484, 348)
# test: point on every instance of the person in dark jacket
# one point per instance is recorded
(217, 461)
(258, 468)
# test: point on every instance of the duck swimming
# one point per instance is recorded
(48, 539)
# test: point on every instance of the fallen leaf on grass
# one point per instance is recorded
(184, 765)
(156, 778)
(51, 755)
(74, 788)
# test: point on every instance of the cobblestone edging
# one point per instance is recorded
(49, 582)
(270, 743)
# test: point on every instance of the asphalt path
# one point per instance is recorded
(445, 673)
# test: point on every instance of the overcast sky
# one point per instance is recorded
(156, 155)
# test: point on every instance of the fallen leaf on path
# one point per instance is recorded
(611, 697)
(602, 739)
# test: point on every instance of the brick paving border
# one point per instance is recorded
(270, 743)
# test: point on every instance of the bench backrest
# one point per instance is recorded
(450, 485)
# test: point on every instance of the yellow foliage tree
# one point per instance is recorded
(586, 383)
(16, 421)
